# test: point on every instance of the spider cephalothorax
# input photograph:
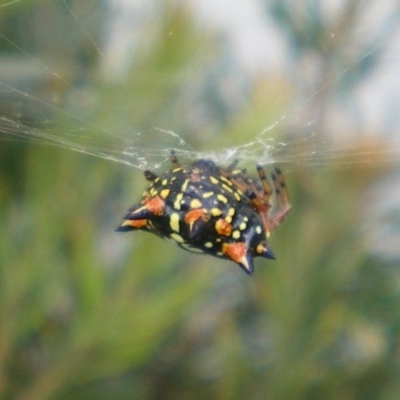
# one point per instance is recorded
(203, 207)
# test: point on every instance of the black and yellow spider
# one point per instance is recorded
(203, 207)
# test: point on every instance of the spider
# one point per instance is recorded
(206, 208)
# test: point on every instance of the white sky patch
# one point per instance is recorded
(127, 31)
(258, 46)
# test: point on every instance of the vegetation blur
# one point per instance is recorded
(86, 313)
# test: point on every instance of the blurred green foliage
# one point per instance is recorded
(89, 314)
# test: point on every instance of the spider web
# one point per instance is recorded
(149, 148)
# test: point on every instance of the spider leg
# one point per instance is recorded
(283, 205)
(280, 188)
(264, 183)
(174, 160)
(232, 165)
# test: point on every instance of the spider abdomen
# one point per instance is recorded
(204, 210)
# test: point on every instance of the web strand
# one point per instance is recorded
(149, 148)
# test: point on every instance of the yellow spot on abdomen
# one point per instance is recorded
(227, 188)
(226, 180)
(177, 202)
(174, 222)
(242, 226)
(184, 185)
(215, 212)
(164, 193)
(195, 203)
(222, 198)
(236, 234)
